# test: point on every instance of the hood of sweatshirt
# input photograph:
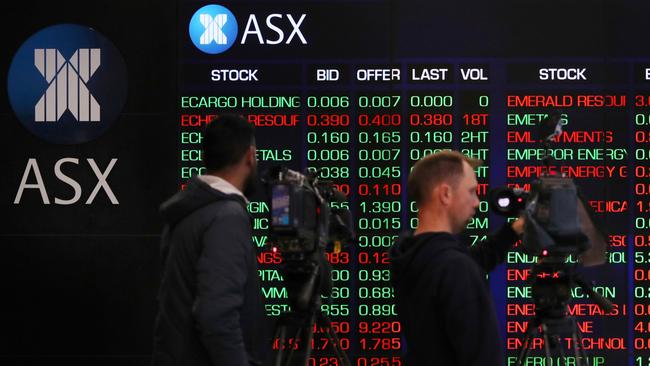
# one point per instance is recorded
(197, 194)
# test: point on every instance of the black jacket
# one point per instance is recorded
(210, 302)
(443, 301)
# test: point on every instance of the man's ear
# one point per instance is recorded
(444, 193)
(251, 156)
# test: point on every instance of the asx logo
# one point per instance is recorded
(32, 169)
(72, 74)
(67, 84)
(213, 29)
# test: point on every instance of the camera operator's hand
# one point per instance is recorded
(518, 225)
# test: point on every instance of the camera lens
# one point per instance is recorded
(503, 202)
(506, 201)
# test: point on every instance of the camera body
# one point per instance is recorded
(303, 225)
(558, 221)
(553, 226)
(296, 221)
(306, 214)
(552, 210)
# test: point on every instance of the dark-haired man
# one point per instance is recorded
(443, 301)
(210, 303)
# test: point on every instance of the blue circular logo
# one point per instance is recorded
(213, 29)
(67, 84)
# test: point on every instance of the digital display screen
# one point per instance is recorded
(361, 90)
(280, 205)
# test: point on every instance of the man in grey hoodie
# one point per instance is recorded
(210, 304)
(443, 301)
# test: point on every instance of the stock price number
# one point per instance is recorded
(642, 327)
(328, 101)
(337, 205)
(323, 361)
(338, 258)
(374, 275)
(335, 309)
(379, 101)
(642, 100)
(642, 137)
(333, 137)
(329, 172)
(377, 223)
(385, 189)
(393, 327)
(641, 171)
(430, 136)
(641, 257)
(641, 223)
(417, 154)
(328, 120)
(641, 309)
(641, 241)
(328, 155)
(338, 293)
(336, 327)
(431, 119)
(381, 207)
(384, 137)
(380, 120)
(377, 310)
(324, 343)
(642, 119)
(429, 101)
(379, 361)
(376, 241)
(642, 343)
(383, 344)
(642, 361)
(641, 292)
(379, 172)
(379, 154)
(376, 293)
(373, 258)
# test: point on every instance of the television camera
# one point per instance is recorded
(562, 231)
(309, 217)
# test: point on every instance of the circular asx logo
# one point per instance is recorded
(67, 84)
(213, 29)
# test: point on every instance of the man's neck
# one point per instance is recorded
(432, 220)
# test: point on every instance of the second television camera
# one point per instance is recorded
(556, 216)
(559, 222)
(560, 229)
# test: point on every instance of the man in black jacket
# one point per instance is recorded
(443, 301)
(210, 303)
